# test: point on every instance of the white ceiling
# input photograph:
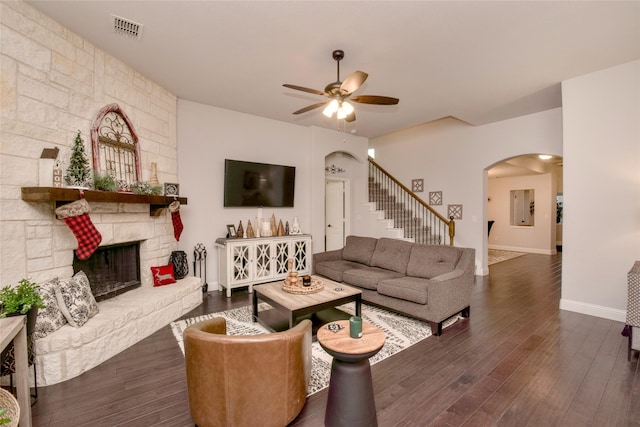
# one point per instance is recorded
(477, 61)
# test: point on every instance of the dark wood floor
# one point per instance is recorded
(518, 361)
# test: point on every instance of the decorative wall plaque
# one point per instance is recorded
(454, 211)
(333, 169)
(435, 198)
(115, 146)
(417, 185)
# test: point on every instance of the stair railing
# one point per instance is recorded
(419, 220)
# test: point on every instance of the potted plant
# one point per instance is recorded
(16, 300)
(22, 299)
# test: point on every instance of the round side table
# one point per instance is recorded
(351, 402)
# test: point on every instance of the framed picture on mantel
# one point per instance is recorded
(231, 231)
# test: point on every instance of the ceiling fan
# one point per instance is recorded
(339, 92)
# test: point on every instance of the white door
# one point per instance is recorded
(335, 214)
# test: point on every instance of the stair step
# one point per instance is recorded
(402, 218)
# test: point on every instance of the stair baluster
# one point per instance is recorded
(420, 222)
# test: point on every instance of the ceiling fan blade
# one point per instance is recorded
(310, 107)
(353, 82)
(304, 89)
(351, 117)
(375, 99)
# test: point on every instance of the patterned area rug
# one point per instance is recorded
(495, 255)
(401, 331)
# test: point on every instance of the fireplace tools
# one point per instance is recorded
(200, 260)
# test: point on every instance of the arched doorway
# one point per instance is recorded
(509, 182)
(339, 168)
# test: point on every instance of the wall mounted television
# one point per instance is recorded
(248, 184)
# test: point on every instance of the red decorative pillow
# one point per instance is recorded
(163, 275)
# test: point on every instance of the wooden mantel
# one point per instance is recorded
(64, 195)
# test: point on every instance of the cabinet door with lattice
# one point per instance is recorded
(282, 253)
(240, 258)
(300, 250)
(263, 263)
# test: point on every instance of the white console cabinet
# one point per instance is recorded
(245, 262)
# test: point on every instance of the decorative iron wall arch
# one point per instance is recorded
(115, 146)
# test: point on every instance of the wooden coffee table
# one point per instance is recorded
(295, 306)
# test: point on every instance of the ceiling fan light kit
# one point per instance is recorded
(331, 108)
(338, 92)
(341, 108)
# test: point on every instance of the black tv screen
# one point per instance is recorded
(248, 184)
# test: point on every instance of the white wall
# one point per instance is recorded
(539, 238)
(208, 135)
(452, 157)
(601, 236)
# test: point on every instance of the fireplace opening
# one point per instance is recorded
(111, 270)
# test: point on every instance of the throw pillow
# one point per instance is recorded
(163, 275)
(76, 300)
(50, 318)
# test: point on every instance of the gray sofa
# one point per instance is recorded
(428, 282)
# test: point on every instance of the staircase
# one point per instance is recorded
(408, 216)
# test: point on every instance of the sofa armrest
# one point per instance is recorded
(448, 297)
(335, 255)
(451, 292)
(458, 272)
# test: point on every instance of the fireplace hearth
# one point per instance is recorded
(112, 270)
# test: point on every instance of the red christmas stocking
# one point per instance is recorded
(76, 216)
(174, 208)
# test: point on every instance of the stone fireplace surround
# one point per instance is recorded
(125, 319)
(121, 322)
(52, 86)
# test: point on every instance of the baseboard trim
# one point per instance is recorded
(213, 286)
(521, 249)
(593, 310)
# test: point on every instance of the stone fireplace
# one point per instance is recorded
(137, 233)
(70, 80)
(50, 244)
(63, 85)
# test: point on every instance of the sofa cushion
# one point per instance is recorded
(429, 261)
(359, 249)
(369, 277)
(392, 254)
(334, 269)
(407, 288)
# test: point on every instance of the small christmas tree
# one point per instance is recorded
(78, 172)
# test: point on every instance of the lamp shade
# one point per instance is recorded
(331, 108)
(347, 108)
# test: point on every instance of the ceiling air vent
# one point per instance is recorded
(127, 27)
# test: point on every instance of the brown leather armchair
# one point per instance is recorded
(246, 380)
